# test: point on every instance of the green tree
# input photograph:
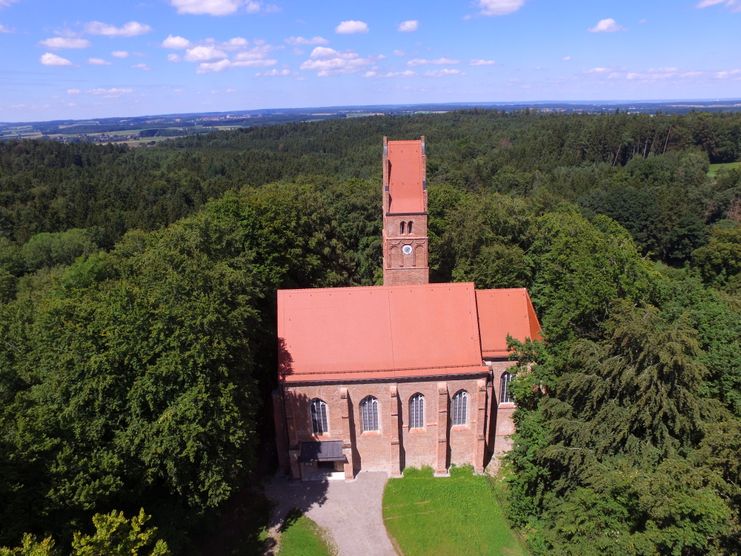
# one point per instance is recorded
(579, 269)
(30, 546)
(719, 261)
(118, 536)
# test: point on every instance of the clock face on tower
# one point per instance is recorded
(406, 249)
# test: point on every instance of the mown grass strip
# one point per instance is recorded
(446, 516)
(300, 536)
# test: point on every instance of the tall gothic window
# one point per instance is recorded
(409, 227)
(417, 411)
(505, 392)
(459, 409)
(319, 416)
(401, 227)
(369, 414)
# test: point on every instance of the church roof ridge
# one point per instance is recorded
(380, 287)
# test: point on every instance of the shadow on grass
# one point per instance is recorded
(290, 518)
(241, 527)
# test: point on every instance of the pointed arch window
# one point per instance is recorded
(401, 228)
(369, 414)
(505, 391)
(417, 411)
(319, 421)
(459, 409)
(409, 227)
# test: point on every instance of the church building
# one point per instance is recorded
(407, 374)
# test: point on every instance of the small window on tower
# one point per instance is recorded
(409, 227)
(402, 227)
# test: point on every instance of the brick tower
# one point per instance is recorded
(405, 258)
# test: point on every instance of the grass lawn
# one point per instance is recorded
(300, 536)
(441, 516)
(715, 168)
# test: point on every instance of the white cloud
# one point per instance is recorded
(566, 58)
(607, 25)
(500, 7)
(445, 72)
(172, 57)
(351, 26)
(237, 41)
(255, 53)
(4, 29)
(650, 75)
(323, 52)
(256, 57)
(408, 26)
(176, 42)
(725, 74)
(204, 53)
(656, 74)
(98, 62)
(733, 5)
(482, 62)
(210, 7)
(209, 67)
(143, 67)
(221, 65)
(328, 61)
(73, 91)
(390, 74)
(130, 29)
(435, 62)
(6, 3)
(398, 52)
(49, 59)
(65, 42)
(306, 41)
(274, 73)
(111, 92)
(120, 54)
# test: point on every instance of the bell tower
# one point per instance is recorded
(405, 253)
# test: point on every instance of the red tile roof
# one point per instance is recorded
(395, 332)
(406, 174)
(378, 332)
(505, 312)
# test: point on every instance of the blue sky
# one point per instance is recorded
(86, 59)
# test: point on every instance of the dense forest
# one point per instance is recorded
(137, 318)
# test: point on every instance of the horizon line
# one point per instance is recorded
(606, 102)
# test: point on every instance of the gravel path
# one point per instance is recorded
(350, 512)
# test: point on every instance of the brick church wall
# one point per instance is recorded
(394, 446)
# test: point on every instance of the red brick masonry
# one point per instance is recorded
(438, 444)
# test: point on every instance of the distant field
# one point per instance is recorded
(141, 141)
(429, 516)
(715, 168)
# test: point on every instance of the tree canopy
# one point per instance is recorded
(137, 317)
